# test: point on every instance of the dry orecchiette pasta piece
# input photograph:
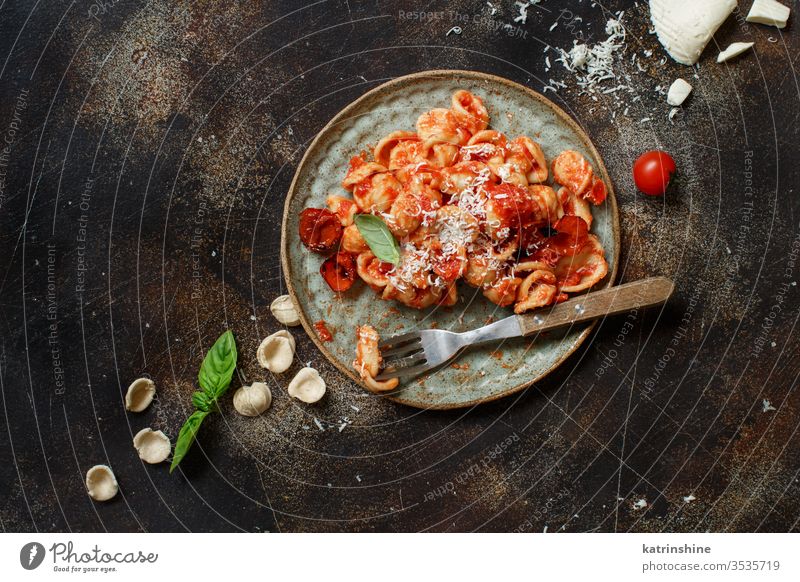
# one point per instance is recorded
(153, 446)
(252, 400)
(575, 205)
(469, 111)
(344, 208)
(352, 241)
(441, 126)
(283, 310)
(359, 170)
(140, 394)
(572, 170)
(536, 290)
(384, 151)
(101, 484)
(377, 193)
(276, 352)
(368, 360)
(307, 386)
(584, 269)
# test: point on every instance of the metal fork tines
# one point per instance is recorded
(419, 351)
(403, 355)
(416, 352)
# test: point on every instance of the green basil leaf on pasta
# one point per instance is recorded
(378, 237)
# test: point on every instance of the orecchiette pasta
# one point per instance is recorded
(464, 202)
(342, 207)
(368, 360)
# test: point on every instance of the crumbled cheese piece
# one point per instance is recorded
(523, 13)
(769, 12)
(734, 49)
(641, 504)
(595, 63)
(678, 92)
(689, 498)
(766, 406)
(579, 55)
(684, 28)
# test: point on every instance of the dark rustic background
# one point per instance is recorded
(148, 149)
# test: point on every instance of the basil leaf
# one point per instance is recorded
(201, 401)
(378, 237)
(186, 436)
(218, 366)
(214, 377)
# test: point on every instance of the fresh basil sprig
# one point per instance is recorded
(378, 237)
(214, 377)
(218, 366)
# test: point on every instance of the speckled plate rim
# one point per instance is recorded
(432, 75)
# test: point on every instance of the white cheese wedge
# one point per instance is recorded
(735, 48)
(678, 92)
(769, 12)
(684, 28)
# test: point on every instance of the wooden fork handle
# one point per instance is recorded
(597, 304)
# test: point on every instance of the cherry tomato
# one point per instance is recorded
(652, 172)
(339, 271)
(320, 229)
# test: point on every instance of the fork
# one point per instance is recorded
(416, 352)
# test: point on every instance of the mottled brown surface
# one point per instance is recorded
(179, 126)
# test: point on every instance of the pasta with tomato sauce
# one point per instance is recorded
(465, 203)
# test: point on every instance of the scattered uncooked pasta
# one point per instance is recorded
(252, 400)
(140, 394)
(101, 483)
(307, 386)
(284, 311)
(153, 446)
(276, 352)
